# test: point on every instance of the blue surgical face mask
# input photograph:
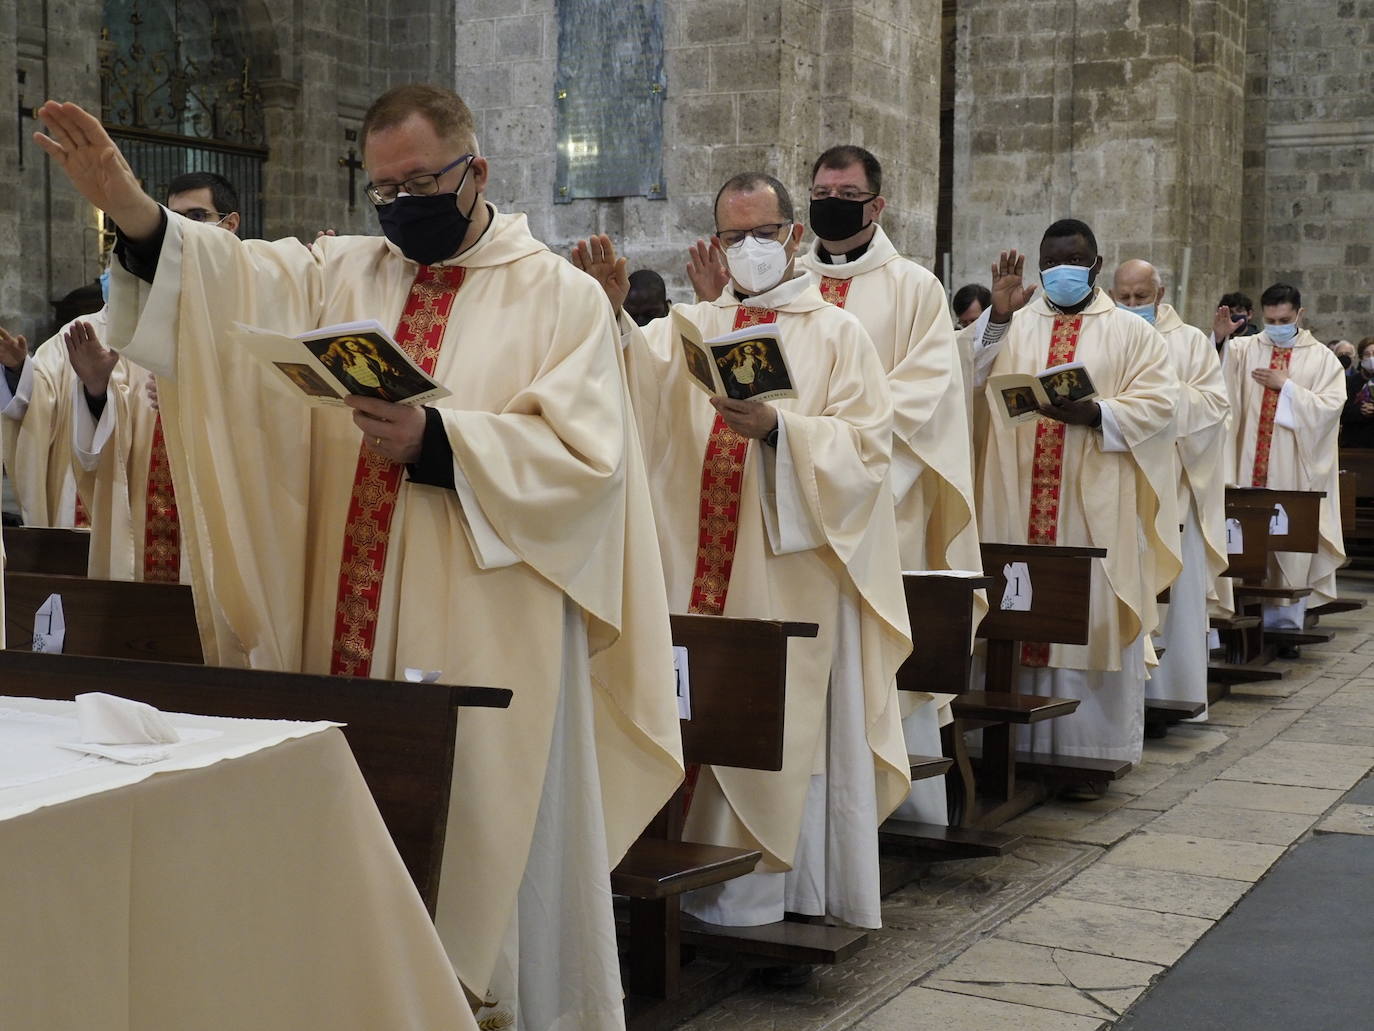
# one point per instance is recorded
(105, 286)
(1145, 311)
(1066, 285)
(1281, 334)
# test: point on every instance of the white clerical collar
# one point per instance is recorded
(783, 293)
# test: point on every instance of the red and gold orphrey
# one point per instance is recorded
(722, 481)
(1047, 468)
(1269, 407)
(835, 291)
(377, 485)
(161, 525)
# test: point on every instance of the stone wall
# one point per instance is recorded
(752, 84)
(1309, 159)
(1123, 113)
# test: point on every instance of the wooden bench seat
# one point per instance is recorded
(923, 767)
(1295, 638)
(1234, 622)
(1261, 593)
(1005, 707)
(960, 841)
(1331, 608)
(655, 868)
(1069, 768)
(1162, 713)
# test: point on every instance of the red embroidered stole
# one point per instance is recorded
(722, 477)
(377, 485)
(1269, 407)
(81, 519)
(161, 525)
(1047, 468)
(835, 291)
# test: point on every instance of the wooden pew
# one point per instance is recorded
(1303, 509)
(121, 619)
(401, 734)
(1245, 652)
(940, 609)
(1358, 465)
(737, 675)
(42, 549)
(1061, 589)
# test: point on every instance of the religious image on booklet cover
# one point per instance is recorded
(1017, 397)
(327, 365)
(746, 365)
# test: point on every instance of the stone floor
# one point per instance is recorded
(1069, 930)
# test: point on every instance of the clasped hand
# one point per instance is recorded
(752, 419)
(1272, 379)
(393, 431)
(1074, 413)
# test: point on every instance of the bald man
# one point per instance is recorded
(1201, 421)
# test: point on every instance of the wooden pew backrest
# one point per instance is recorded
(1304, 514)
(1061, 585)
(941, 612)
(43, 549)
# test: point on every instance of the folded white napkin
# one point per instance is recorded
(105, 719)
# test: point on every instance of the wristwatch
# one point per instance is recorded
(1097, 419)
(772, 439)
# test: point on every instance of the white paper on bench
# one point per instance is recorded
(1017, 597)
(684, 683)
(1235, 539)
(50, 626)
(1278, 522)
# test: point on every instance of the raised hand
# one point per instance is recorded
(81, 147)
(707, 270)
(1222, 326)
(1008, 294)
(91, 359)
(14, 349)
(597, 258)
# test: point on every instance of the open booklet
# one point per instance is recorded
(1017, 396)
(326, 365)
(746, 365)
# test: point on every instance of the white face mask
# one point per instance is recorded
(1367, 364)
(757, 265)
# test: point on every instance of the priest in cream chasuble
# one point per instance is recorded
(502, 536)
(1095, 473)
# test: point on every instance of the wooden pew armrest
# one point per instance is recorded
(655, 868)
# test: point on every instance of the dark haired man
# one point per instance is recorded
(390, 537)
(1287, 392)
(902, 306)
(968, 302)
(1093, 473)
(1232, 319)
(787, 516)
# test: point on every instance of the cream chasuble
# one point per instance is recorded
(122, 472)
(1119, 494)
(36, 425)
(1201, 423)
(903, 308)
(544, 554)
(1293, 447)
(831, 560)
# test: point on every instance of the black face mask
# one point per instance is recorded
(1344, 359)
(427, 229)
(837, 219)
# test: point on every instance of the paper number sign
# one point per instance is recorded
(1235, 540)
(1017, 596)
(684, 683)
(1278, 522)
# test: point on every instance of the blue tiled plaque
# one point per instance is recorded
(608, 94)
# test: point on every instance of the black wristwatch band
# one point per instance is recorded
(1096, 424)
(772, 439)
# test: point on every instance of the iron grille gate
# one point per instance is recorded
(158, 158)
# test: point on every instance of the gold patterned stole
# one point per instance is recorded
(1047, 468)
(161, 524)
(377, 485)
(835, 291)
(1269, 407)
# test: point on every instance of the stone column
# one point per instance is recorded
(1126, 115)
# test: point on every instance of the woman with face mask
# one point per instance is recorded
(1357, 420)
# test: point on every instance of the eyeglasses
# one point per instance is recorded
(417, 186)
(735, 237)
(201, 215)
(844, 193)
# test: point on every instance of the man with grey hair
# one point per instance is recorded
(787, 516)
(1200, 422)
